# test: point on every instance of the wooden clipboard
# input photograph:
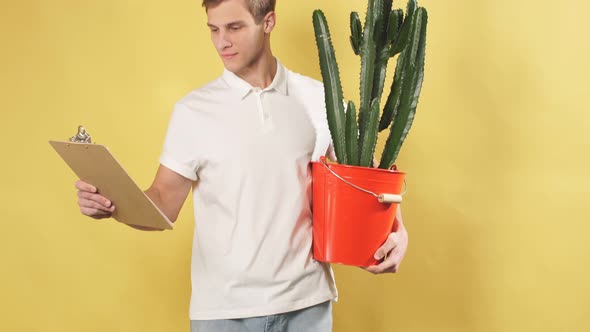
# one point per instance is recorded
(94, 164)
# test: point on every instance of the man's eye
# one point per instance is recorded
(235, 28)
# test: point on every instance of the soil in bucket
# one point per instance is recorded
(349, 224)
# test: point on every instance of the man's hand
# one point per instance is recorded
(92, 204)
(393, 249)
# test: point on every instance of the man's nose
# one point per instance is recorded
(223, 41)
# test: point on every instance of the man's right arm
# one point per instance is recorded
(168, 192)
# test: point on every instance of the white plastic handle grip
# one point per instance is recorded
(389, 198)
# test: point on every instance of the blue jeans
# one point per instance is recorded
(317, 318)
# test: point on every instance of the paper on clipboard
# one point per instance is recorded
(94, 164)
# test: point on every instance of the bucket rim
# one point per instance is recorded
(358, 167)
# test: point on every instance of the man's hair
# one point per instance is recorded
(258, 8)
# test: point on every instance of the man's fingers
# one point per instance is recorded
(94, 213)
(86, 203)
(388, 246)
(383, 268)
(81, 185)
(390, 264)
(372, 269)
(91, 203)
(95, 197)
(392, 269)
(378, 269)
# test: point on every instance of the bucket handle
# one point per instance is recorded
(382, 198)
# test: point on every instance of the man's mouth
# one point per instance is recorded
(229, 55)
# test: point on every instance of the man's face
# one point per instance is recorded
(235, 34)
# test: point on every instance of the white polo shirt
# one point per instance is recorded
(249, 151)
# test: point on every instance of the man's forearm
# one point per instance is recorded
(154, 196)
(163, 203)
(168, 192)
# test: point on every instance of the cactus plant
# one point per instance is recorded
(386, 33)
(352, 147)
(332, 85)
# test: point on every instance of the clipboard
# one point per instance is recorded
(94, 164)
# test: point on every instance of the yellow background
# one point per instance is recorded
(496, 160)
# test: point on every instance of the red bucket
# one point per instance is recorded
(353, 211)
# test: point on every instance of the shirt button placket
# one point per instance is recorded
(263, 114)
(259, 103)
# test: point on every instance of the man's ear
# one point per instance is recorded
(269, 21)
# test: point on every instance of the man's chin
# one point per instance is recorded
(230, 66)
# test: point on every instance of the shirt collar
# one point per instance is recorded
(279, 82)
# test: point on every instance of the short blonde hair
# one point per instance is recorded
(258, 8)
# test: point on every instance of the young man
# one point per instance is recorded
(243, 142)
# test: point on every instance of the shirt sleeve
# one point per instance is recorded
(180, 151)
(330, 153)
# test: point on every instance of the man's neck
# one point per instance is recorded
(262, 73)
